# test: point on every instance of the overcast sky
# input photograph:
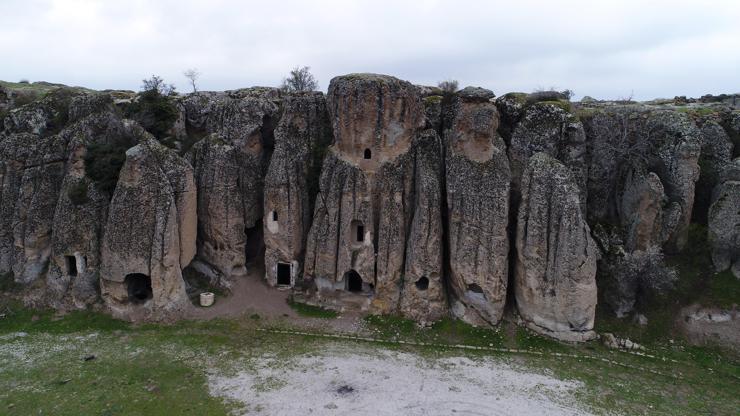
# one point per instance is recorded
(605, 49)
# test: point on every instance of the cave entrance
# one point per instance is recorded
(254, 250)
(353, 281)
(71, 265)
(368, 154)
(139, 287)
(422, 283)
(283, 274)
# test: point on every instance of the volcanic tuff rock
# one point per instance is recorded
(724, 220)
(555, 283)
(664, 142)
(378, 211)
(383, 196)
(291, 183)
(545, 127)
(81, 211)
(229, 170)
(150, 233)
(478, 181)
(31, 174)
(716, 154)
(641, 210)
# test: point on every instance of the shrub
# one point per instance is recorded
(77, 193)
(154, 109)
(103, 161)
(24, 81)
(637, 276)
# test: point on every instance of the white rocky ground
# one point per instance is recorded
(344, 381)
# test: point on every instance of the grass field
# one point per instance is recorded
(47, 364)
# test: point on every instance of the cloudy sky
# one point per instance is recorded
(605, 49)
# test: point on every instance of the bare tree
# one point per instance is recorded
(448, 86)
(300, 80)
(192, 74)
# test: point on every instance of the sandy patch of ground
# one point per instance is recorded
(357, 381)
(252, 295)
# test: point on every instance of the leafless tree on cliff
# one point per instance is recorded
(192, 74)
(448, 86)
(300, 80)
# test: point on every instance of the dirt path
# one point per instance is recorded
(252, 295)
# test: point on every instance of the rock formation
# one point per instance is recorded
(379, 183)
(150, 233)
(478, 182)
(229, 168)
(724, 220)
(291, 183)
(555, 283)
(381, 196)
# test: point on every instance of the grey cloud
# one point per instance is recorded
(605, 49)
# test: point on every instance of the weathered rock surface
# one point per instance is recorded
(641, 210)
(150, 234)
(341, 235)
(716, 154)
(423, 294)
(291, 183)
(625, 138)
(383, 196)
(478, 182)
(81, 212)
(545, 127)
(724, 220)
(229, 171)
(370, 213)
(373, 112)
(555, 284)
(31, 175)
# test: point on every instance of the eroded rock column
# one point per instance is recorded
(555, 284)
(478, 182)
(149, 236)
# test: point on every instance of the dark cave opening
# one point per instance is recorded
(422, 283)
(71, 265)
(254, 250)
(283, 274)
(139, 287)
(353, 281)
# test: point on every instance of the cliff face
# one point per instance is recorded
(381, 196)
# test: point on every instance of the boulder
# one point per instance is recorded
(555, 284)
